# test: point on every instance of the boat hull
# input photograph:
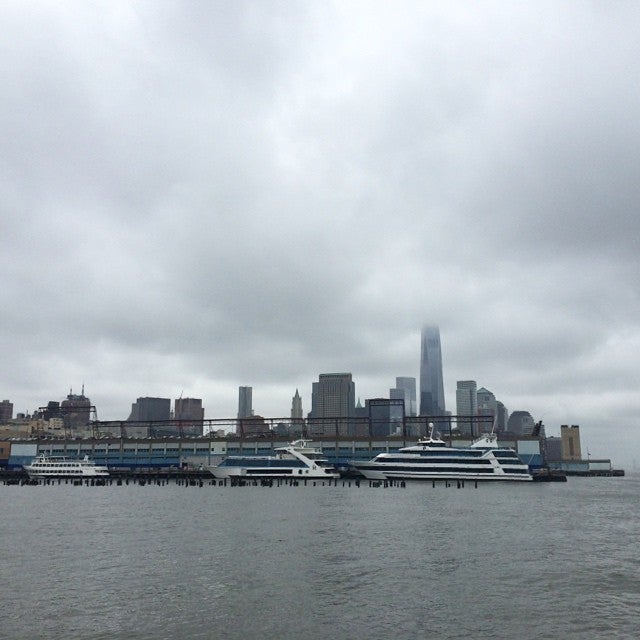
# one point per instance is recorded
(38, 475)
(382, 474)
(269, 472)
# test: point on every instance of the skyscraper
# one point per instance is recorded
(146, 409)
(406, 389)
(488, 407)
(502, 418)
(245, 407)
(188, 409)
(75, 410)
(189, 412)
(333, 396)
(466, 405)
(296, 407)
(431, 383)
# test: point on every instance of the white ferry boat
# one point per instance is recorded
(433, 459)
(43, 466)
(298, 460)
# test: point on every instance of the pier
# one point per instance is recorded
(201, 479)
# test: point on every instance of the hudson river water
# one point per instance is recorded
(557, 561)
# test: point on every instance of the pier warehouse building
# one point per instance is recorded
(114, 447)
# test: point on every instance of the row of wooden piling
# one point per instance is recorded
(227, 482)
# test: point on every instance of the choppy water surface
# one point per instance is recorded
(500, 561)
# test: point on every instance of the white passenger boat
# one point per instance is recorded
(433, 459)
(298, 460)
(43, 466)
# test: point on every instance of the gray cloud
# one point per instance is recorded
(199, 196)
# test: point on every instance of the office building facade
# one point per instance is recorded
(502, 418)
(520, 423)
(188, 409)
(150, 409)
(245, 402)
(405, 389)
(6, 411)
(487, 409)
(189, 414)
(466, 406)
(333, 404)
(386, 416)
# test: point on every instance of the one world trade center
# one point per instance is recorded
(431, 384)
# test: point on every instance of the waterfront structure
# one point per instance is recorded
(245, 402)
(466, 406)
(165, 452)
(431, 380)
(487, 406)
(521, 423)
(150, 410)
(332, 404)
(406, 389)
(6, 411)
(386, 416)
(564, 454)
(570, 439)
(553, 449)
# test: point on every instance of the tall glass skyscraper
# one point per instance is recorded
(431, 384)
(245, 406)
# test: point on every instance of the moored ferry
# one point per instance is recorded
(298, 460)
(43, 466)
(432, 459)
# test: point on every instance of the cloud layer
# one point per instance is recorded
(196, 197)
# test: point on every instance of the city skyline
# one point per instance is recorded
(333, 395)
(285, 189)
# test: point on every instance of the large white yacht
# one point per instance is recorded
(433, 459)
(43, 466)
(298, 460)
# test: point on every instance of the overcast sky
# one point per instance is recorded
(200, 195)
